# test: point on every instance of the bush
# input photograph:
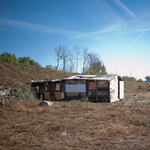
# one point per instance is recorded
(24, 94)
(126, 78)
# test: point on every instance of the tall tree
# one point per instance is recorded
(147, 78)
(65, 55)
(27, 61)
(94, 63)
(58, 51)
(103, 70)
(8, 57)
(24, 60)
(140, 80)
(70, 62)
(85, 56)
(77, 50)
(49, 67)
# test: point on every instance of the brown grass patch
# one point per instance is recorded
(121, 125)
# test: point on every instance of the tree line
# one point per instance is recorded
(132, 79)
(12, 59)
(78, 60)
(71, 59)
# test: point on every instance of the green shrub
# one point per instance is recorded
(24, 94)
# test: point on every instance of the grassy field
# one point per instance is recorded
(74, 125)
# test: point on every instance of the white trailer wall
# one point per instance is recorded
(75, 88)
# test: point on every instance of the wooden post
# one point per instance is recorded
(109, 90)
(53, 86)
(87, 88)
(96, 92)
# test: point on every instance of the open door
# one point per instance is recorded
(121, 89)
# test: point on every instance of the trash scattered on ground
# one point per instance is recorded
(64, 133)
(132, 109)
(45, 103)
(2, 93)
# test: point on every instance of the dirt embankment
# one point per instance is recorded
(14, 75)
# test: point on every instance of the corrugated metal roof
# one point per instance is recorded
(91, 77)
(80, 77)
(43, 81)
(105, 77)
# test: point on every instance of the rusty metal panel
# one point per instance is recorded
(47, 95)
(92, 85)
(102, 83)
(58, 95)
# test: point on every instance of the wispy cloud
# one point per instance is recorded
(124, 8)
(37, 27)
(143, 32)
(105, 30)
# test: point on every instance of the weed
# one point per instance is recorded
(86, 125)
(23, 94)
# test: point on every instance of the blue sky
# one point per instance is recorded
(118, 30)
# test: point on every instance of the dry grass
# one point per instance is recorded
(121, 125)
(141, 89)
(14, 75)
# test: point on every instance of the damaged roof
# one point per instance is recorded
(44, 81)
(80, 77)
(91, 77)
(105, 77)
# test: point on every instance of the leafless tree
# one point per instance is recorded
(85, 56)
(70, 62)
(65, 55)
(77, 50)
(58, 51)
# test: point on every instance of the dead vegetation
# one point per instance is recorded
(141, 89)
(14, 75)
(74, 125)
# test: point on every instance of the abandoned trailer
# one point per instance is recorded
(47, 89)
(99, 88)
